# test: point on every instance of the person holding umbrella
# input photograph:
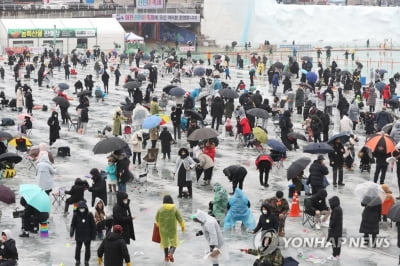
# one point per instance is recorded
(318, 171)
(31, 218)
(380, 155)
(336, 161)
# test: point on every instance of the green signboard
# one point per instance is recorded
(49, 33)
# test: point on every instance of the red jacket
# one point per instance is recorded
(263, 157)
(246, 129)
(210, 151)
(386, 93)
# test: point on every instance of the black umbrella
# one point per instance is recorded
(167, 88)
(287, 74)
(217, 56)
(296, 135)
(380, 85)
(394, 212)
(227, 58)
(10, 157)
(291, 57)
(63, 86)
(203, 133)
(228, 93)
(254, 53)
(61, 101)
(199, 71)
(132, 85)
(344, 137)
(306, 85)
(306, 58)
(193, 114)
(297, 166)
(316, 148)
(345, 72)
(177, 91)
(382, 71)
(169, 60)
(85, 92)
(109, 145)
(258, 112)
(387, 128)
(148, 66)
(359, 65)
(141, 77)
(279, 65)
(7, 195)
(201, 61)
(328, 47)
(5, 135)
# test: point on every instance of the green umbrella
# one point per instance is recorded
(35, 197)
(130, 51)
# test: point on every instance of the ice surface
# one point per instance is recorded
(258, 20)
(58, 249)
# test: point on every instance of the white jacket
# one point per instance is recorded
(346, 125)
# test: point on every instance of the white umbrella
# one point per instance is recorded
(370, 194)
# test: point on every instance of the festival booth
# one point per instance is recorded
(66, 34)
(133, 42)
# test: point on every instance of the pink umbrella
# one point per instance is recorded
(23, 115)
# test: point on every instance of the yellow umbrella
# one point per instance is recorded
(13, 142)
(165, 118)
(260, 134)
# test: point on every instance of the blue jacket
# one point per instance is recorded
(275, 80)
(239, 210)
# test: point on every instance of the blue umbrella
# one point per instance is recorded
(311, 77)
(146, 56)
(303, 71)
(35, 197)
(276, 145)
(63, 86)
(195, 93)
(199, 71)
(380, 85)
(177, 91)
(151, 122)
(344, 137)
(382, 71)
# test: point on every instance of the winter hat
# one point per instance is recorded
(279, 194)
(94, 172)
(117, 229)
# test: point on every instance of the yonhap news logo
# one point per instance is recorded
(323, 242)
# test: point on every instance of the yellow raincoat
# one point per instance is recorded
(166, 218)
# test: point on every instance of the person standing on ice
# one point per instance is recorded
(54, 125)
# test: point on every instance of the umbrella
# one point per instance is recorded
(316, 148)
(132, 85)
(370, 194)
(83, 93)
(381, 142)
(291, 57)
(295, 135)
(260, 134)
(387, 128)
(203, 133)
(63, 86)
(167, 88)
(254, 53)
(382, 71)
(148, 66)
(228, 93)
(199, 71)
(5, 135)
(276, 145)
(61, 101)
(287, 74)
(109, 145)
(177, 91)
(134, 69)
(359, 65)
(394, 212)
(139, 113)
(380, 85)
(258, 112)
(311, 77)
(170, 59)
(151, 122)
(193, 114)
(34, 153)
(345, 72)
(328, 47)
(297, 166)
(141, 77)
(303, 71)
(13, 142)
(306, 85)
(10, 157)
(279, 65)
(35, 197)
(164, 118)
(6, 195)
(21, 117)
(217, 56)
(344, 137)
(306, 58)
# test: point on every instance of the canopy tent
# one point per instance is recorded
(132, 37)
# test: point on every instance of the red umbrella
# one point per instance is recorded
(381, 142)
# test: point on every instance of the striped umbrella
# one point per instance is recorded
(381, 142)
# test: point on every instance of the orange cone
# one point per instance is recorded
(295, 208)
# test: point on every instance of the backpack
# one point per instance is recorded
(7, 122)
(44, 108)
(63, 151)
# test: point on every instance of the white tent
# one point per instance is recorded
(132, 37)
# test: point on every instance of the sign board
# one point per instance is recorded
(299, 47)
(187, 48)
(150, 4)
(157, 17)
(49, 33)
(20, 50)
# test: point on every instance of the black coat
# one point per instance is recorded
(176, 116)
(77, 191)
(99, 189)
(122, 216)
(336, 157)
(54, 125)
(8, 250)
(316, 124)
(114, 249)
(166, 139)
(122, 170)
(28, 100)
(336, 220)
(83, 225)
(217, 107)
(370, 219)
(257, 99)
(235, 173)
(318, 201)
(267, 221)
(317, 173)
